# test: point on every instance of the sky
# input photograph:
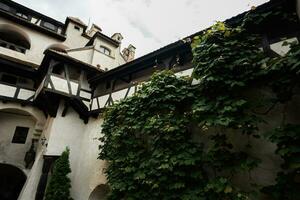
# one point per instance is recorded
(146, 24)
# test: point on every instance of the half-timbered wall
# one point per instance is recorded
(116, 89)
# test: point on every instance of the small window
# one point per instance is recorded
(9, 79)
(77, 28)
(50, 26)
(74, 74)
(59, 70)
(22, 15)
(20, 135)
(4, 7)
(23, 81)
(105, 50)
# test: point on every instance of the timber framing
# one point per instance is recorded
(122, 82)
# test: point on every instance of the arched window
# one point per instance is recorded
(13, 38)
(105, 50)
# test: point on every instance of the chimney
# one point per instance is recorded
(117, 36)
(94, 29)
(129, 53)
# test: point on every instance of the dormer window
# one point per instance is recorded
(105, 50)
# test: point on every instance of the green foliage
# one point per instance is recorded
(149, 142)
(148, 145)
(287, 139)
(59, 185)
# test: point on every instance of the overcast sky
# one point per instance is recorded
(147, 24)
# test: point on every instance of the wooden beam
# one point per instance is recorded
(66, 69)
(65, 110)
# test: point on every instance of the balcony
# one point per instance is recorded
(60, 85)
(101, 101)
(16, 93)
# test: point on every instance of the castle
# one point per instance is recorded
(57, 78)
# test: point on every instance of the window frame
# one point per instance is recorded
(18, 138)
(45, 26)
(77, 28)
(13, 47)
(105, 49)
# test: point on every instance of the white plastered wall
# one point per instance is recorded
(74, 37)
(83, 54)
(39, 43)
(105, 61)
(13, 153)
(90, 170)
(82, 139)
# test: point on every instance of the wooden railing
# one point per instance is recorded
(21, 93)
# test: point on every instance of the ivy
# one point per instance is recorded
(173, 140)
(287, 139)
(148, 146)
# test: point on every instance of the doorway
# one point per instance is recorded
(12, 180)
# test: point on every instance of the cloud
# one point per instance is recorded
(141, 27)
(147, 24)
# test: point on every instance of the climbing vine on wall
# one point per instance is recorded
(174, 140)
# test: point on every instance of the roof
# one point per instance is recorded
(72, 60)
(13, 17)
(101, 35)
(29, 65)
(76, 20)
(146, 60)
(38, 14)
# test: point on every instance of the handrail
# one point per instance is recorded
(17, 86)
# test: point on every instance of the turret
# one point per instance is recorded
(129, 53)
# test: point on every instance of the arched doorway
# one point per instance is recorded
(12, 180)
(16, 136)
(99, 193)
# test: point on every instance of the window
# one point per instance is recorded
(49, 26)
(59, 69)
(77, 28)
(23, 81)
(13, 38)
(4, 7)
(105, 50)
(74, 74)
(22, 15)
(9, 79)
(20, 135)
